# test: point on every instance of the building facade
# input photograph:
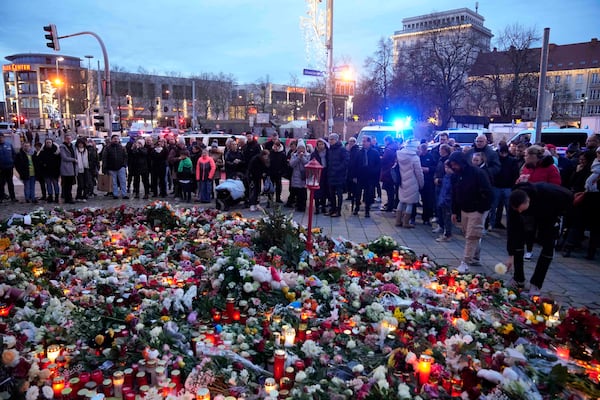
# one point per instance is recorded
(572, 80)
(416, 30)
(43, 89)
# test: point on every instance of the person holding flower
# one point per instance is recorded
(544, 203)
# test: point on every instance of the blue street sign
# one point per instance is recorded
(313, 72)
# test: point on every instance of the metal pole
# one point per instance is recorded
(311, 202)
(108, 90)
(100, 102)
(89, 94)
(542, 86)
(59, 108)
(193, 105)
(330, 77)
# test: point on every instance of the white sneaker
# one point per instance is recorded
(463, 268)
(378, 200)
(437, 229)
(443, 239)
(527, 256)
(252, 208)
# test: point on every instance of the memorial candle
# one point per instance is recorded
(424, 368)
(118, 379)
(279, 364)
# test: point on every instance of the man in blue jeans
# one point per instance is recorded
(114, 161)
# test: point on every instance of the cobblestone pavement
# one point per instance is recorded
(570, 281)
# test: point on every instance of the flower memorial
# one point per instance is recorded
(172, 303)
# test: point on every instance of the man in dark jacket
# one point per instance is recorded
(366, 169)
(7, 163)
(503, 182)
(114, 162)
(336, 174)
(545, 202)
(472, 198)
(388, 160)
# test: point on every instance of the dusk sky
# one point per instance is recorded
(251, 39)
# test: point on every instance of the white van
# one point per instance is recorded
(561, 138)
(464, 137)
(7, 127)
(381, 130)
(209, 138)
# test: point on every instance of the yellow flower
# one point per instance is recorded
(399, 315)
(506, 329)
(165, 318)
(4, 243)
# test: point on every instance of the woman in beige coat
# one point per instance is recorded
(412, 181)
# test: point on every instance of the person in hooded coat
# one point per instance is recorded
(412, 180)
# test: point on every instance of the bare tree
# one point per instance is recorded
(381, 72)
(510, 75)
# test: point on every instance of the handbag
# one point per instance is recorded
(578, 198)
(105, 183)
(395, 172)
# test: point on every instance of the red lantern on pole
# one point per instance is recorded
(313, 178)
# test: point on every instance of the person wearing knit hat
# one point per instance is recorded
(298, 179)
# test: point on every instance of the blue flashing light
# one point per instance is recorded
(402, 123)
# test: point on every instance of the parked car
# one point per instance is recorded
(561, 138)
(464, 137)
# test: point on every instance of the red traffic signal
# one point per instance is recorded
(52, 37)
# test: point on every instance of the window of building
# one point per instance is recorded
(150, 90)
(137, 89)
(595, 77)
(568, 79)
(579, 78)
(557, 79)
(165, 92)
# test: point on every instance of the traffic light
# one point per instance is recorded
(52, 37)
(99, 122)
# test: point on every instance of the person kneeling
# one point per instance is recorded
(229, 193)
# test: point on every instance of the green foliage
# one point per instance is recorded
(279, 230)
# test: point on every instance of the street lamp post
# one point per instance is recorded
(88, 93)
(313, 181)
(57, 81)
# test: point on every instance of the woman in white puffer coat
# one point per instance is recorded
(412, 181)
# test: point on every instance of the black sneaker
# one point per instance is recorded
(116, 197)
(125, 197)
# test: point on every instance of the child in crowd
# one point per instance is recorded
(185, 176)
(444, 205)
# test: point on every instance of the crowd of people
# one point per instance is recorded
(468, 187)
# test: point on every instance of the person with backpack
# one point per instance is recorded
(185, 175)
